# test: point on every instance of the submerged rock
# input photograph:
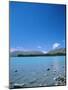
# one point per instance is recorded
(54, 70)
(60, 80)
(16, 70)
(48, 69)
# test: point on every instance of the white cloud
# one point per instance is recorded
(44, 51)
(16, 49)
(55, 45)
(39, 47)
(13, 49)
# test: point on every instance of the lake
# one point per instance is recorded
(37, 71)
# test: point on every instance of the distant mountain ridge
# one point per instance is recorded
(61, 51)
(25, 53)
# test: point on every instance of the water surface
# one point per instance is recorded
(36, 71)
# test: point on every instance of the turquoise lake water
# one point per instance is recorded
(36, 71)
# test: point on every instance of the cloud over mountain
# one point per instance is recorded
(55, 45)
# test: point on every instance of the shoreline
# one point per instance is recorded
(37, 55)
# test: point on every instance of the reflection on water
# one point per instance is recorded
(37, 71)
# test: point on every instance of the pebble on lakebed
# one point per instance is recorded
(16, 71)
(48, 69)
(60, 80)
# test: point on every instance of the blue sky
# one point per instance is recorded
(36, 26)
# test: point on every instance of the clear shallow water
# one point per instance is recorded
(36, 71)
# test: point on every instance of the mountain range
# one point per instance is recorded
(55, 52)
